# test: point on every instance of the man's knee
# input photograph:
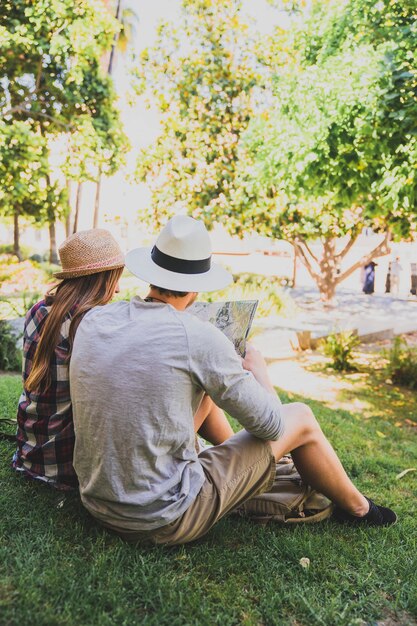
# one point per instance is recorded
(306, 420)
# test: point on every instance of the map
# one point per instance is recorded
(234, 319)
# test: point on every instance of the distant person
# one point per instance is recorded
(369, 278)
(92, 264)
(413, 289)
(396, 270)
(388, 279)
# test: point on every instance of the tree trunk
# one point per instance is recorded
(77, 206)
(68, 217)
(113, 48)
(330, 274)
(97, 201)
(328, 271)
(16, 235)
(53, 255)
(294, 268)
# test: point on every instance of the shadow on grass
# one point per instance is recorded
(369, 392)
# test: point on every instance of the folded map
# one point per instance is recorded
(233, 318)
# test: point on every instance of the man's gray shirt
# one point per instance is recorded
(137, 374)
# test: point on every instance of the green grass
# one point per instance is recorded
(57, 567)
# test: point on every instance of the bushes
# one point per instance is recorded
(339, 347)
(268, 290)
(7, 249)
(402, 363)
(10, 355)
(26, 276)
(18, 306)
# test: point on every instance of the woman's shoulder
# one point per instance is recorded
(38, 311)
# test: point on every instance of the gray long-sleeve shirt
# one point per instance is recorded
(137, 375)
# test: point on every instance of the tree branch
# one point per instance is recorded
(305, 260)
(311, 253)
(381, 250)
(38, 76)
(30, 113)
(348, 246)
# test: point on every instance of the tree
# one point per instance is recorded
(127, 19)
(51, 77)
(23, 167)
(202, 78)
(337, 151)
(98, 146)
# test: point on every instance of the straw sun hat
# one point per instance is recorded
(89, 252)
(180, 260)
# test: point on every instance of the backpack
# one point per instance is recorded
(289, 500)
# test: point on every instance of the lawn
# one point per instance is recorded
(57, 567)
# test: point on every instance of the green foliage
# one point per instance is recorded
(125, 294)
(22, 284)
(339, 346)
(272, 299)
(26, 276)
(23, 167)
(7, 254)
(201, 76)
(49, 269)
(53, 86)
(10, 355)
(402, 363)
(337, 150)
(18, 306)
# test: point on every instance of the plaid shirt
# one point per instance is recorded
(45, 433)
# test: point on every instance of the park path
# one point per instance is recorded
(377, 318)
(373, 317)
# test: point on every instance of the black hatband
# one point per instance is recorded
(181, 266)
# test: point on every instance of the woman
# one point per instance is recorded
(369, 278)
(92, 264)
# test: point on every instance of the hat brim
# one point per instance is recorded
(90, 272)
(140, 263)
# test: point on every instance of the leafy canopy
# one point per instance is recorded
(202, 77)
(338, 148)
(52, 85)
(23, 167)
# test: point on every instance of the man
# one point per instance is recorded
(146, 375)
(396, 270)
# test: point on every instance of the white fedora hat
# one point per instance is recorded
(180, 260)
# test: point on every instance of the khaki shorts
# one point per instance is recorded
(238, 469)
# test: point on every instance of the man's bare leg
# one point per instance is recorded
(313, 455)
(315, 458)
(211, 423)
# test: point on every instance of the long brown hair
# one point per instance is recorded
(81, 294)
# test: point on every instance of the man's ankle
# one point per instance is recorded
(361, 509)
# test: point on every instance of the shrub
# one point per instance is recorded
(7, 249)
(10, 355)
(49, 269)
(402, 363)
(25, 276)
(125, 294)
(339, 347)
(268, 290)
(18, 306)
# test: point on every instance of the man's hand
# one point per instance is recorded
(254, 362)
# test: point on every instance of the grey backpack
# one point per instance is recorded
(289, 500)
